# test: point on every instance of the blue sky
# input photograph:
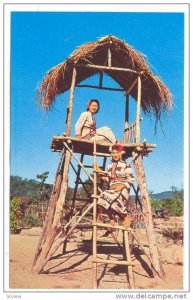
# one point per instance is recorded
(41, 40)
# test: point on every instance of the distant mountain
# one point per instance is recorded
(162, 195)
(158, 196)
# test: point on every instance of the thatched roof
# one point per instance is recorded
(155, 95)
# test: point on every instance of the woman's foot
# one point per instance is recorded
(127, 221)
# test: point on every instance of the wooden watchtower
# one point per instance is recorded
(130, 70)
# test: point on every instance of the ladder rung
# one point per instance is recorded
(82, 199)
(114, 262)
(84, 225)
(101, 154)
(88, 166)
(91, 167)
(81, 182)
(110, 226)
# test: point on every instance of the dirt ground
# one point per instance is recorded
(73, 270)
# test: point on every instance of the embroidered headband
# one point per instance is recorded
(117, 147)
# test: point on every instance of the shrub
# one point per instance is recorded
(156, 205)
(169, 206)
(176, 234)
(15, 214)
(173, 206)
(32, 220)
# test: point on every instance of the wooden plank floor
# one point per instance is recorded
(86, 146)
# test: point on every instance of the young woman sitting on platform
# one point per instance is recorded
(119, 176)
(85, 127)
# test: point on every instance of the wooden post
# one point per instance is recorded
(127, 111)
(109, 57)
(126, 133)
(94, 226)
(53, 224)
(101, 80)
(128, 256)
(138, 110)
(51, 210)
(139, 169)
(70, 105)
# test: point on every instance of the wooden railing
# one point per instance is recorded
(130, 133)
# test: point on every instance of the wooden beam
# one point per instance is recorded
(138, 110)
(141, 180)
(128, 256)
(102, 154)
(99, 87)
(51, 210)
(109, 68)
(55, 220)
(94, 226)
(144, 250)
(66, 226)
(114, 262)
(100, 80)
(86, 146)
(126, 111)
(82, 166)
(76, 184)
(131, 86)
(79, 163)
(73, 139)
(109, 57)
(62, 239)
(103, 225)
(126, 133)
(70, 105)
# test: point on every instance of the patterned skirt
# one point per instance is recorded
(109, 199)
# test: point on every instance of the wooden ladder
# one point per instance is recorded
(126, 234)
(78, 181)
(55, 233)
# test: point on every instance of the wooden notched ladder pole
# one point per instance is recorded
(128, 262)
(128, 68)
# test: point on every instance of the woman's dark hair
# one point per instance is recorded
(91, 101)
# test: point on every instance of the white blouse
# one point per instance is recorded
(86, 128)
(86, 125)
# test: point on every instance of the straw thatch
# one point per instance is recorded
(155, 95)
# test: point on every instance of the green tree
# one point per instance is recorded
(43, 177)
(43, 195)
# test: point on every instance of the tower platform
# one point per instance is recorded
(86, 146)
